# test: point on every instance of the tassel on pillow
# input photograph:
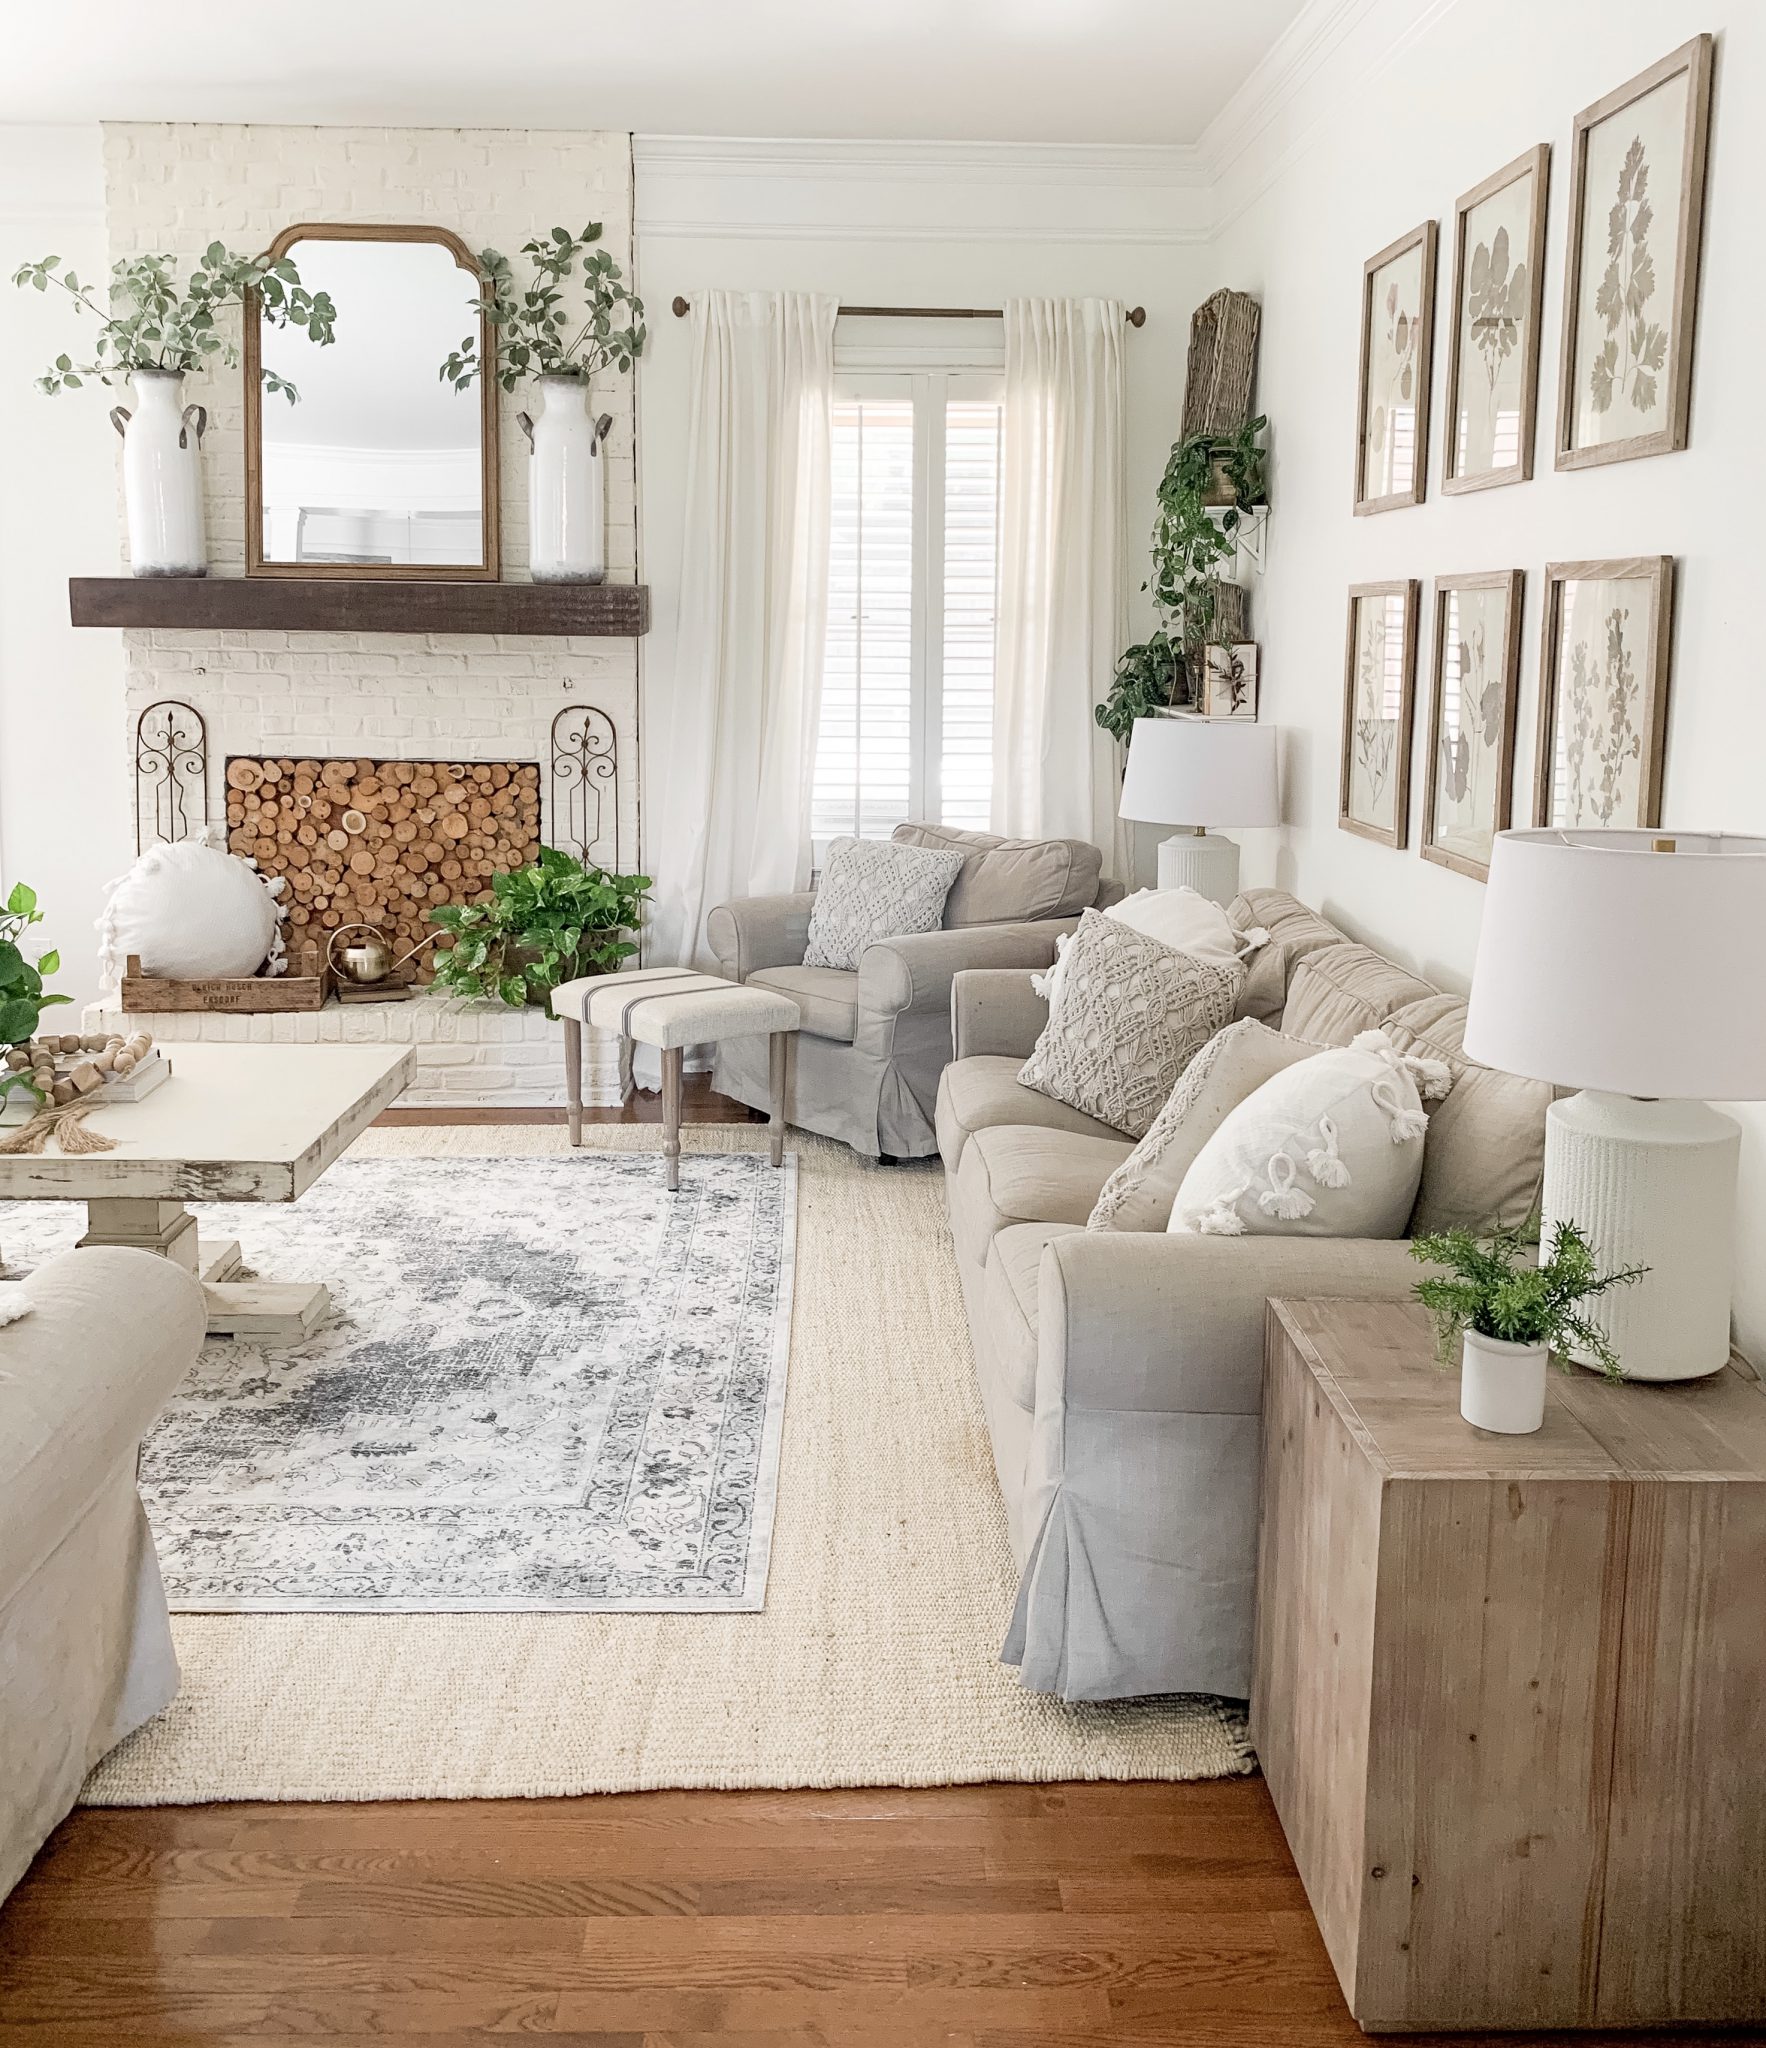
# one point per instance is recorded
(15, 1303)
(1284, 1197)
(1324, 1163)
(1222, 1218)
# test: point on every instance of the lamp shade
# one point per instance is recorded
(1606, 963)
(1201, 771)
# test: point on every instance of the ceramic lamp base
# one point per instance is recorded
(1650, 1184)
(1204, 861)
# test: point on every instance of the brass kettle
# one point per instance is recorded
(368, 962)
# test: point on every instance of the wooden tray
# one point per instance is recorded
(252, 994)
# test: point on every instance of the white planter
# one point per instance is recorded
(567, 518)
(1502, 1386)
(162, 476)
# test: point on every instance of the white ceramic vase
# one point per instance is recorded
(162, 475)
(567, 518)
(1502, 1385)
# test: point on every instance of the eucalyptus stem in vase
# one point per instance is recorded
(154, 328)
(574, 317)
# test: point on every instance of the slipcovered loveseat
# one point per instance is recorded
(864, 1067)
(1121, 1371)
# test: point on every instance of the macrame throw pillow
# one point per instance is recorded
(1181, 917)
(1131, 1014)
(191, 912)
(1234, 1064)
(875, 889)
(1331, 1147)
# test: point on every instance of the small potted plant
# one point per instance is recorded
(1510, 1310)
(555, 921)
(154, 331)
(22, 1001)
(561, 339)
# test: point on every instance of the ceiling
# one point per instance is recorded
(1136, 71)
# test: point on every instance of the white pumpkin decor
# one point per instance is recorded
(190, 912)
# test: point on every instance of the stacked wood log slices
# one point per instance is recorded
(381, 842)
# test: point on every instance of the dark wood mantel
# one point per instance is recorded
(336, 605)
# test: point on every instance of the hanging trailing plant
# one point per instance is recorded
(1211, 481)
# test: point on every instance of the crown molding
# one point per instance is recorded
(724, 230)
(1153, 166)
(1302, 49)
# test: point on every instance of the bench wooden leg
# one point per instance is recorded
(573, 1076)
(776, 1093)
(673, 1062)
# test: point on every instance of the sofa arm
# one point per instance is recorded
(760, 931)
(916, 972)
(995, 1010)
(1173, 1324)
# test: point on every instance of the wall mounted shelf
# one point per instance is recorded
(337, 605)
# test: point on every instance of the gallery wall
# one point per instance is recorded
(1413, 108)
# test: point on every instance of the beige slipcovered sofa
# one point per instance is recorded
(1121, 1372)
(85, 1645)
(864, 1067)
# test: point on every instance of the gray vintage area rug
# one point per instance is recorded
(545, 1384)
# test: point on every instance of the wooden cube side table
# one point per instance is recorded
(1510, 1692)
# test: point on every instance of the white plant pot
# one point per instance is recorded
(162, 475)
(1501, 1385)
(567, 518)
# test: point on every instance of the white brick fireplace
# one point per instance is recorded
(389, 696)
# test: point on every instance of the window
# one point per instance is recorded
(913, 583)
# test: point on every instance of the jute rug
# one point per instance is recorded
(875, 1661)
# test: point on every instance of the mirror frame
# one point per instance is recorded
(485, 571)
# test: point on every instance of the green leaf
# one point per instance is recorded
(50, 963)
(23, 901)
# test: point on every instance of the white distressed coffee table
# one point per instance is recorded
(235, 1123)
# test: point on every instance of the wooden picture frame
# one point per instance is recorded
(1385, 683)
(1406, 346)
(1501, 669)
(1511, 294)
(488, 568)
(1229, 680)
(1614, 378)
(1639, 654)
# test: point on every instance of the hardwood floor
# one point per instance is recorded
(984, 1916)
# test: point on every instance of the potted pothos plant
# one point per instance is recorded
(1507, 1311)
(154, 327)
(574, 316)
(1211, 482)
(22, 996)
(556, 921)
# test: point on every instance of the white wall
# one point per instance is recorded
(1413, 108)
(64, 818)
(908, 225)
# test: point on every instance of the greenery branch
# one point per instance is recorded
(1500, 1287)
(152, 322)
(1211, 482)
(544, 330)
(22, 1001)
(552, 922)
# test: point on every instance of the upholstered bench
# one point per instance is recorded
(672, 1008)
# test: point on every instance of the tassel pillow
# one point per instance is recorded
(1331, 1147)
(1181, 917)
(190, 912)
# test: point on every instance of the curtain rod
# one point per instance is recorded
(1136, 316)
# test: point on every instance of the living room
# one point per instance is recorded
(879, 1139)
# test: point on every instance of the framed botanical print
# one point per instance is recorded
(1379, 689)
(1493, 340)
(1603, 692)
(1474, 681)
(1637, 192)
(1397, 349)
(1229, 681)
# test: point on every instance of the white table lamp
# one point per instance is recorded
(1201, 772)
(1629, 965)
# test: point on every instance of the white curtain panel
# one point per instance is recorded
(732, 763)
(1062, 572)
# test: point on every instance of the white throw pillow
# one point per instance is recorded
(875, 889)
(1331, 1147)
(1234, 1064)
(190, 912)
(1180, 917)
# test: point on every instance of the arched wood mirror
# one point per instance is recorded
(382, 469)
